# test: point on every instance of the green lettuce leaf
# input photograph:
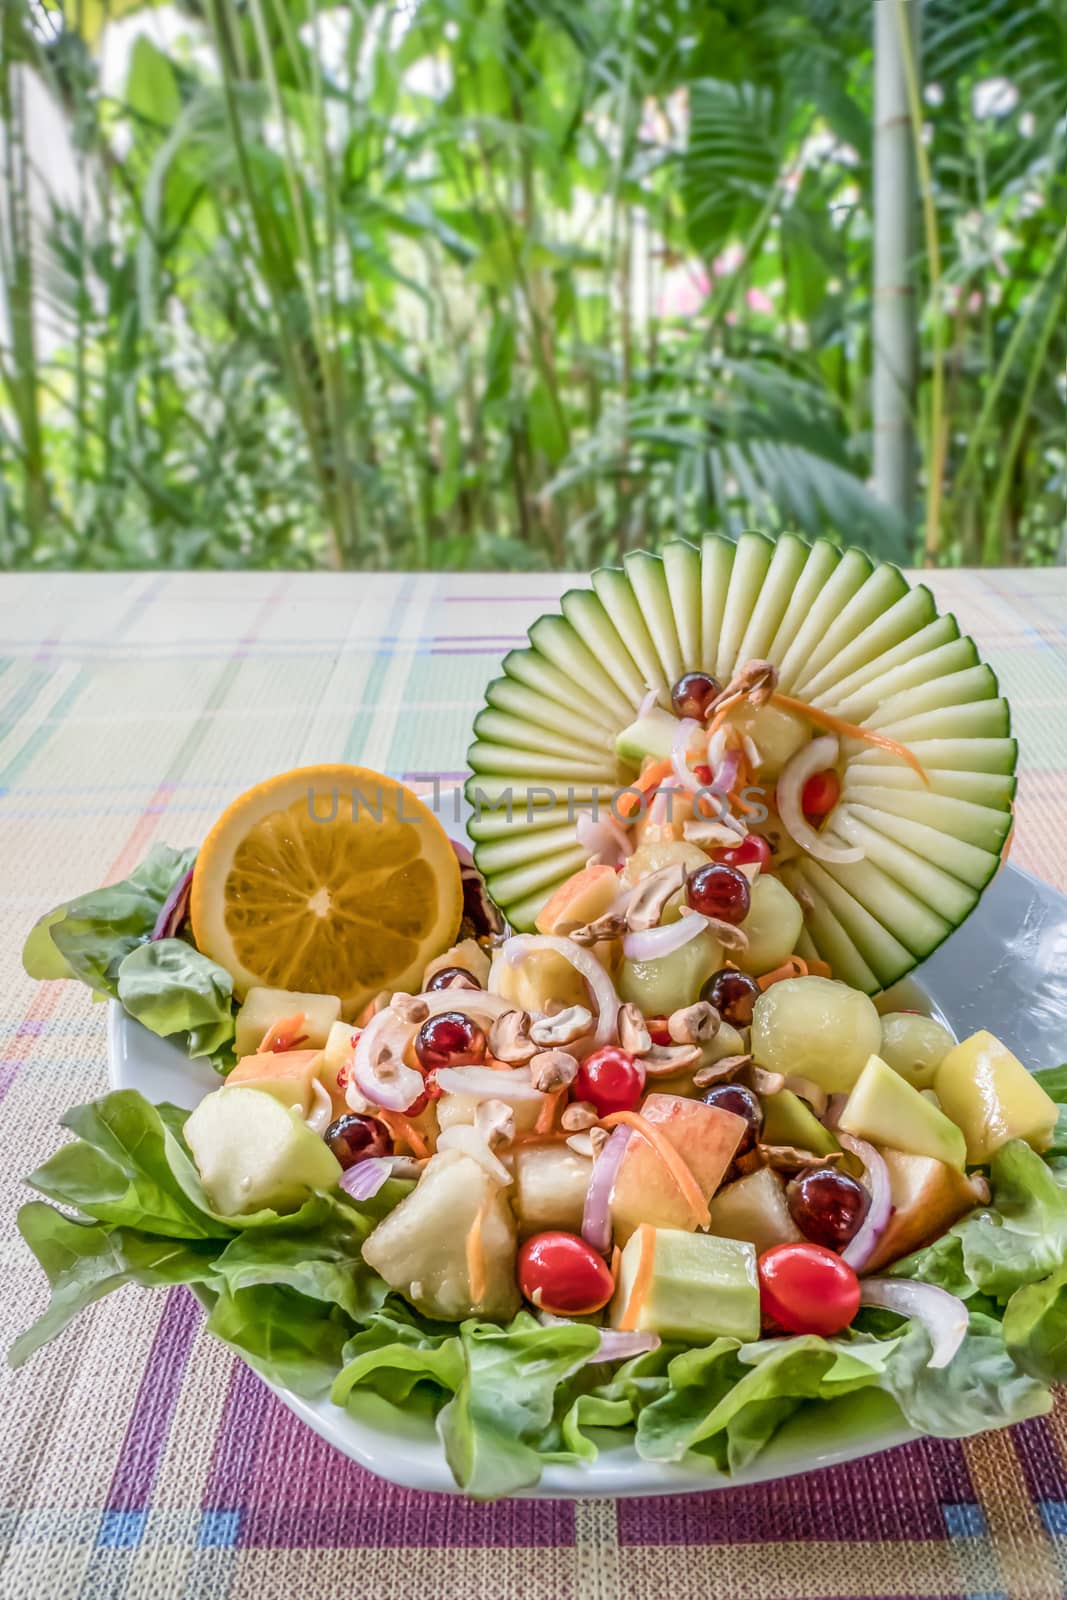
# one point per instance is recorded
(173, 989)
(90, 937)
(1035, 1327)
(84, 1261)
(321, 1262)
(287, 1337)
(1023, 1236)
(982, 1387)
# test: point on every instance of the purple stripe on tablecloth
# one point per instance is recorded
(295, 1492)
(897, 1495)
(1041, 1459)
(153, 1409)
(501, 599)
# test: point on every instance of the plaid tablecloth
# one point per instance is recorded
(138, 1458)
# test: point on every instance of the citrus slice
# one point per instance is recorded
(327, 880)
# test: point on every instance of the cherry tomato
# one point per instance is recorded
(821, 793)
(560, 1273)
(806, 1288)
(753, 847)
(611, 1079)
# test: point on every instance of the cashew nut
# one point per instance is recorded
(553, 1069)
(578, 1116)
(509, 1038)
(633, 1030)
(693, 1024)
(563, 1028)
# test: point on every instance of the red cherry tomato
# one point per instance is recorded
(806, 1288)
(753, 847)
(560, 1273)
(611, 1079)
(821, 793)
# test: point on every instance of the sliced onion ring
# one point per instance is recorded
(860, 1248)
(596, 1216)
(321, 1114)
(943, 1315)
(725, 778)
(174, 910)
(810, 759)
(584, 963)
(364, 1180)
(472, 1002)
(398, 1086)
(486, 1083)
(683, 739)
(652, 944)
(648, 703)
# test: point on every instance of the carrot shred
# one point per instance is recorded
(547, 1114)
(792, 967)
(475, 1254)
(642, 1280)
(402, 1127)
(819, 969)
(676, 1165)
(629, 799)
(851, 730)
(616, 1257)
(286, 1034)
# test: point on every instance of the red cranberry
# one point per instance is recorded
(733, 994)
(449, 1040)
(719, 891)
(354, 1138)
(692, 694)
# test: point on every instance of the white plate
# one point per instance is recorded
(1006, 969)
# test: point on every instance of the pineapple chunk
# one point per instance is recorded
(551, 1182)
(456, 1108)
(264, 1007)
(288, 1075)
(421, 1250)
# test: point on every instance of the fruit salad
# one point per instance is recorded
(659, 1153)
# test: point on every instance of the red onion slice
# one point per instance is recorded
(584, 962)
(683, 738)
(596, 1216)
(485, 1083)
(615, 1345)
(652, 944)
(391, 1085)
(810, 759)
(727, 770)
(943, 1315)
(174, 910)
(364, 1180)
(472, 1002)
(834, 1107)
(859, 1249)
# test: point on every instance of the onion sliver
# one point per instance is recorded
(603, 836)
(683, 739)
(364, 1180)
(584, 962)
(596, 1217)
(648, 703)
(810, 759)
(321, 1113)
(943, 1315)
(486, 1083)
(472, 1002)
(860, 1248)
(652, 944)
(391, 1085)
(615, 1345)
(174, 910)
(462, 1137)
(725, 779)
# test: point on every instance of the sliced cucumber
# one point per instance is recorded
(965, 861)
(507, 761)
(872, 600)
(829, 940)
(559, 643)
(523, 881)
(648, 580)
(751, 562)
(681, 567)
(912, 920)
(904, 618)
(494, 792)
(978, 825)
(542, 677)
(779, 584)
(487, 825)
(965, 755)
(954, 689)
(514, 850)
(586, 615)
(823, 561)
(617, 597)
(522, 914)
(500, 727)
(883, 954)
(936, 888)
(823, 608)
(914, 660)
(980, 719)
(529, 705)
(716, 560)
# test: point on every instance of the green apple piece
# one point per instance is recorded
(787, 1119)
(699, 1287)
(254, 1153)
(551, 1182)
(660, 987)
(816, 1028)
(772, 926)
(988, 1091)
(420, 1248)
(914, 1046)
(884, 1109)
(754, 1209)
(650, 735)
(263, 1008)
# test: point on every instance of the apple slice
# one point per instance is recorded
(645, 1191)
(253, 1152)
(928, 1197)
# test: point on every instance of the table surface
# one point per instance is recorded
(138, 1458)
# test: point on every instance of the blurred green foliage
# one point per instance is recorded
(511, 282)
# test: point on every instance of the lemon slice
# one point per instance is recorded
(329, 880)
